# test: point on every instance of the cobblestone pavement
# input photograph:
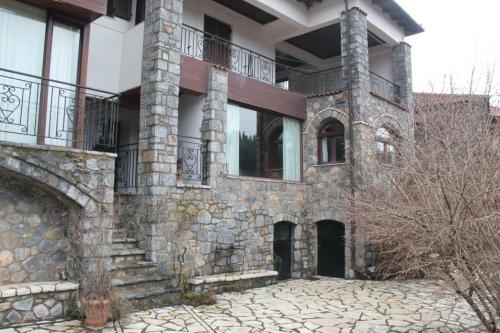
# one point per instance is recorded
(302, 306)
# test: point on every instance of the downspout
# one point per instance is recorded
(352, 246)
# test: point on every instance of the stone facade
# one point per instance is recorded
(42, 191)
(29, 302)
(228, 224)
(32, 233)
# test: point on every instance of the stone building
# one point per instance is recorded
(219, 136)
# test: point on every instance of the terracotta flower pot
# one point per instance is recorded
(96, 312)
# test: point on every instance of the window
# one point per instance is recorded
(262, 144)
(34, 42)
(140, 11)
(386, 151)
(120, 8)
(331, 142)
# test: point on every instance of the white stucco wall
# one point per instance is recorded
(380, 58)
(190, 115)
(245, 32)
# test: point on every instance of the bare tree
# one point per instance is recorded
(433, 209)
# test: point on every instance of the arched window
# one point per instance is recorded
(331, 142)
(386, 151)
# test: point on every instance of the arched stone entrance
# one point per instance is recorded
(331, 248)
(282, 249)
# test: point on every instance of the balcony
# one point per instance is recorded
(36, 110)
(209, 48)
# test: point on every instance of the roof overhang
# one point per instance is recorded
(86, 10)
(399, 15)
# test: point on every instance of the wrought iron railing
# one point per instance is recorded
(385, 88)
(210, 48)
(320, 82)
(192, 160)
(126, 166)
(43, 111)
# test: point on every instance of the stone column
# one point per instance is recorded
(355, 63)
(159, 110)
(213, 127)
(401, 65)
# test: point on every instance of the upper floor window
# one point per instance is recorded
(140, 11)
(386, 151)
(120, 8)
(36, 43)
(262, 144)
(331, 142)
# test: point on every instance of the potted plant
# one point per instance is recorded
(96, 294)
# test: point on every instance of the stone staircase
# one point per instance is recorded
(137, 279)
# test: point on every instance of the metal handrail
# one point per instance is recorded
(55, 81)
(385, 88)
(46, 111)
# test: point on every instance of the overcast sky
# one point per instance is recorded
(459, 35)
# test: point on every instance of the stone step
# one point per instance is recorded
(122, 270)
(131, 283)
(128, 255)
(146, 298)
(124, 245)
(120, 232)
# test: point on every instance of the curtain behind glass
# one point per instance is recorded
(233, 139)
(62, 102)
(291, 149)
(22, 40)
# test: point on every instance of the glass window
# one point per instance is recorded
(331, 142)
(386, 151)
(262, 144)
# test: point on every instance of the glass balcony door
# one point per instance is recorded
(35, 44)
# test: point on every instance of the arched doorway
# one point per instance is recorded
(282, 247)
(331, 249)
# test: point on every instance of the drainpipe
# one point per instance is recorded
(352, 246)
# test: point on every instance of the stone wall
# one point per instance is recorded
(43, 190)
(32, 223)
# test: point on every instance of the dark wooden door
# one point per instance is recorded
(283, 249)
(216, 48)
(331, 249)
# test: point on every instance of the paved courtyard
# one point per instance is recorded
(325, 305)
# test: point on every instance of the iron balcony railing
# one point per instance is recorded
(192, 160)
(215, 50)
(320, 82)
(126, 167)
(385, 88)
(38, 110)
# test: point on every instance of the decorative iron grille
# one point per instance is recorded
(126, 167)
(38, 110)
(192, 159)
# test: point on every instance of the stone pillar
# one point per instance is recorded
(357, 66)
(213, 127)
(401, 66)
(358, 47)
(159, 110)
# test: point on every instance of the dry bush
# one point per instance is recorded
(435, 211)
(91, 270)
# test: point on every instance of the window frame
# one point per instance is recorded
(385, 155)
(335, 135)
(113, 7)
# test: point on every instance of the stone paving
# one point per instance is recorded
(303, 306)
